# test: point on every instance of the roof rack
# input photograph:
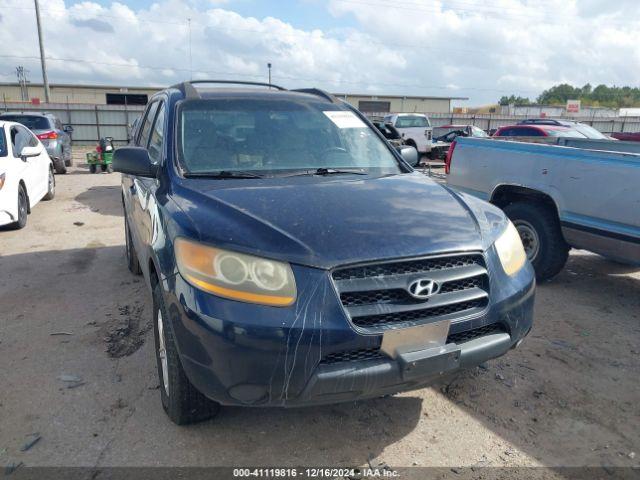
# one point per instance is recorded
(540, 121)
(189, 91)
(319, 93)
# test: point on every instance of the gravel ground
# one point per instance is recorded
(78, 370)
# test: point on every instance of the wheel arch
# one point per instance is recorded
(506, 194)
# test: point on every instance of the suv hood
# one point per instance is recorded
(326, 222)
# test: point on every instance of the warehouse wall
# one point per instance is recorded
(69, 94)
(403, 104)
(97, 95)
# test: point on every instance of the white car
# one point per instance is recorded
(26, 174)
(415, 129)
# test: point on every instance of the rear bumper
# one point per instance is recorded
(241, 354)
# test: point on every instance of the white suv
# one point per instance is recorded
(415, 128)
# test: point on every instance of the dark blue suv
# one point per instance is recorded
(295, 257)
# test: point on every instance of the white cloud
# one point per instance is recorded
(430, 47)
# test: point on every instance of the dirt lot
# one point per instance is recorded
(78, 370)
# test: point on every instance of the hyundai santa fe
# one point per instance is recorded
(295, 258)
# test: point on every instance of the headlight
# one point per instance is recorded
(510, 250)
(235, 275)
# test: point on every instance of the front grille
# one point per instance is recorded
(463, 337)
(395, 318)
(375, 353)
(376, 297)
(354, 356)
(410, 266)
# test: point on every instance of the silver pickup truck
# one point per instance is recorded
(577, 193)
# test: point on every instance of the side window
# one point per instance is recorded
(19, 139)
(33, 141)
(530, 132)
(145, 128)
(157, 135)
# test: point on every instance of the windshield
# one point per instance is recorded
(478, 132)
(32, 122)
(409, 121)
(274, 135)
(589, 132)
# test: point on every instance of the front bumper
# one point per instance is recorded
(242, 354)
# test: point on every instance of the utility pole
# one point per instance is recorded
(269, 67)
(45, 80)
(190, 57)
(21, 73)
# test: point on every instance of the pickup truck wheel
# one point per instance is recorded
(132, 257)
(180, 399)
(541, 236)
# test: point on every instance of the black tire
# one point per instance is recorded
(93, 168)
(68, 162)
(23, 209)
(132, 257)
(541, 222)
(60, 167)
(180, 399)
(103, 168)
(51, 186)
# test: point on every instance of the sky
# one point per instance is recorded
(461, 48)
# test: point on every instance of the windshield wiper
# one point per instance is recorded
(223, 174)
(330, 171)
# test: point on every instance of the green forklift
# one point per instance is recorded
(102, 157)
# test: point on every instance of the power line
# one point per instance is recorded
(287, 77)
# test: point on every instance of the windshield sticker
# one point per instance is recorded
(345, 119)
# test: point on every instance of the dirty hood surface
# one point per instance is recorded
(330, 221)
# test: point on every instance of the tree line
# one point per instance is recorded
(600, 96)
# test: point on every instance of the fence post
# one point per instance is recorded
(126, 119)
(489, 123)
(97, 121)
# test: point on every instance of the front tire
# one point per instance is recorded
(23, 209)
(93, 168)
(51, 186)
(539, 229)
(180, 399)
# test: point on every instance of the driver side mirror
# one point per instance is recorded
(409, 155)
(28, 152)
(68, 128)
(134, 161)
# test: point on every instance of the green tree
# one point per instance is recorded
(514, 100)
(600, 96)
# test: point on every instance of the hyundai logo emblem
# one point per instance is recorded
(423, 288)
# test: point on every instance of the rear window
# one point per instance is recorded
(409, 121)
(590, 132)
(565, 132)
(32, 122)
(275, 135)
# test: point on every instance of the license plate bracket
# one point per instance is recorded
(430, 362)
